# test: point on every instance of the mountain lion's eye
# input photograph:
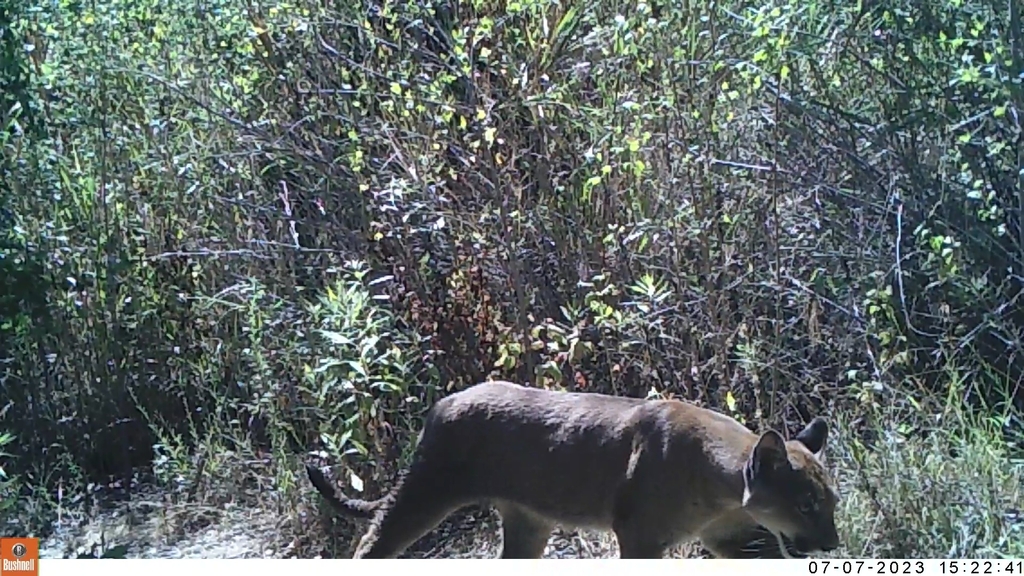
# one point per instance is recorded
(806, 507)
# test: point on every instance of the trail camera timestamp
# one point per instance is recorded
(873, 567)
(927, 567)
(981, 567)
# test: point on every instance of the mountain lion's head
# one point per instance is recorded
(787, 490)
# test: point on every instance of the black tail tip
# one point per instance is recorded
(314, 473)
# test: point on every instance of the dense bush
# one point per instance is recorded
(244, 235)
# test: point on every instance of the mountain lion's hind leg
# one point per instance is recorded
(525, 533)
(639, 548)
(417, 507)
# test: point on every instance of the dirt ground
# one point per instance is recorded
(149, 526)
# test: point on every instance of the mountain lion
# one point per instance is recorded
(654, 472)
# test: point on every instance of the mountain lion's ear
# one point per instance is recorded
(815, 435)
(768, 455)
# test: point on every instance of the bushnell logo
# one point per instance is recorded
(19, 557)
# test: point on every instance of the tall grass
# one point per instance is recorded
(949, 488)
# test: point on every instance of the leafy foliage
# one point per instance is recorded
(241, 235)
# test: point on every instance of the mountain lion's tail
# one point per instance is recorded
(348, 506)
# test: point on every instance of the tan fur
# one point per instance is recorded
(656, 473)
